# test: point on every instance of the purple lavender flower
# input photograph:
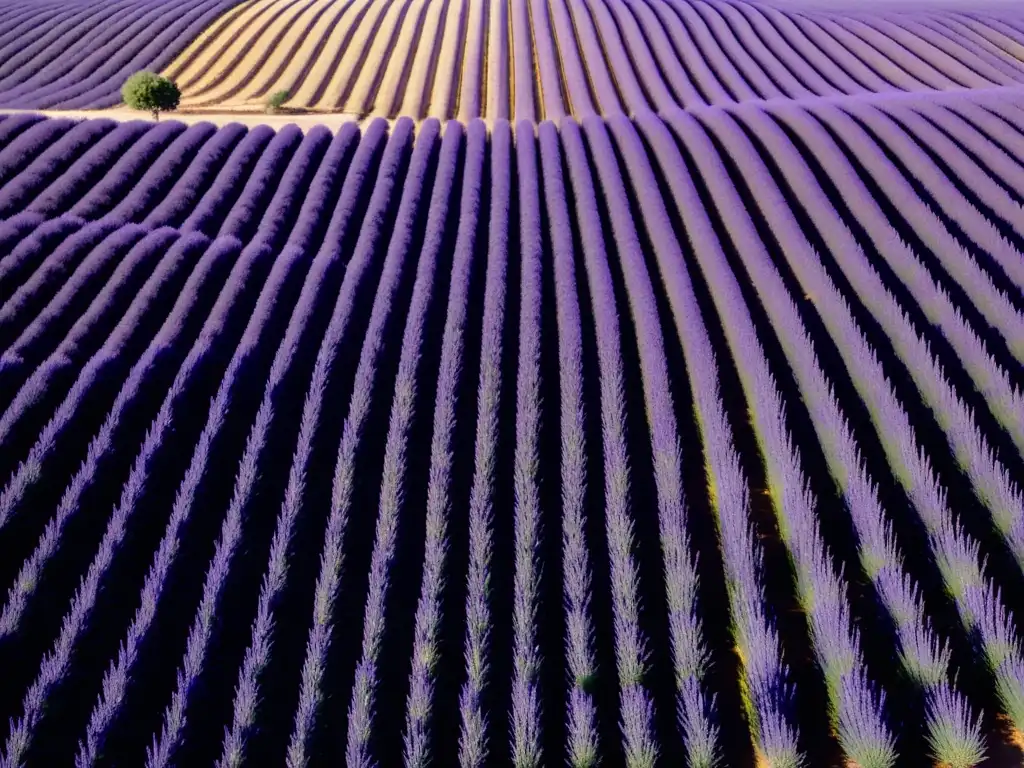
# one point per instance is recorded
(474, 722)
(191, 186)
(126, 173)
(292, 186)
(581, 719)
(331, 559)
(209, 211)
(51, 164)
(88, 169)
(630, 643)
(426, 648)
(245, 214)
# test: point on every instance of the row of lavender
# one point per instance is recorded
(635, 55)
(230, 181)
(679, 439)
(76, 54)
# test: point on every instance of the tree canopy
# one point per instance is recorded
(150, 92)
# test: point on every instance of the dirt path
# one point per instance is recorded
(332, 120)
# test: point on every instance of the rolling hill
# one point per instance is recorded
(74, 54)
(542, 59)
(627, 383)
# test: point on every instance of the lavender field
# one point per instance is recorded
(75, 54)
(688, 437)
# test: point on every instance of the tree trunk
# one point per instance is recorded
(156, 115)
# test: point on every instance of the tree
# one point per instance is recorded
(151, 93)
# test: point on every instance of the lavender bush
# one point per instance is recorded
(561, 265)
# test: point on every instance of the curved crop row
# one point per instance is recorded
(688, 438)
(527, 59)
(79, 56)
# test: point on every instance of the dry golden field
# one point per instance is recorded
(543, 59)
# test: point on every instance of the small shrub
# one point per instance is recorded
(277, 100)
(151, 93)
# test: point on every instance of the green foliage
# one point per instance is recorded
(277, 100)
(151, 93)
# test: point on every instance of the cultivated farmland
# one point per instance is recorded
(537, 59)
(652, 427)
(75, 54)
